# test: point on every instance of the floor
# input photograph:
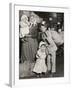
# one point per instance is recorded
(59, 70)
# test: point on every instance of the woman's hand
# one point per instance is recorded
(28, 35)
(22, 39)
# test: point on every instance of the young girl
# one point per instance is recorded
(40, 66)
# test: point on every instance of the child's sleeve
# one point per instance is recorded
(37, 55)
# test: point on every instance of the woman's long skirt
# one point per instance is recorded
(29, 49)
(28, 53)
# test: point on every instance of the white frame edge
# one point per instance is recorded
(12, 41)
(11, 46)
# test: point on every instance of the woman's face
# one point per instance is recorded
(32, 19)
(43, 28)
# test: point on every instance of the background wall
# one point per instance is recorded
(4, 41)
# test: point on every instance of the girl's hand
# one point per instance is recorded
(37, 56)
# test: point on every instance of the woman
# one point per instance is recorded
(29, 46)
(30, 43)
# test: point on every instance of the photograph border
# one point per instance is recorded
(14, 46)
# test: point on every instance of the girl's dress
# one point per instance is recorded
(40, 65)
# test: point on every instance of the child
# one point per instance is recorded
(47, 37)
(40, 66)
(24, 26)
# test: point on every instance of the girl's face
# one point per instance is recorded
(52, 29)
(43, 28)
(43, 48)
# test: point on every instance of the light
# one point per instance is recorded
(54, 15)
(50, 19)
(58, 23)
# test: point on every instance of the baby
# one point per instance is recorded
(24, 29)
